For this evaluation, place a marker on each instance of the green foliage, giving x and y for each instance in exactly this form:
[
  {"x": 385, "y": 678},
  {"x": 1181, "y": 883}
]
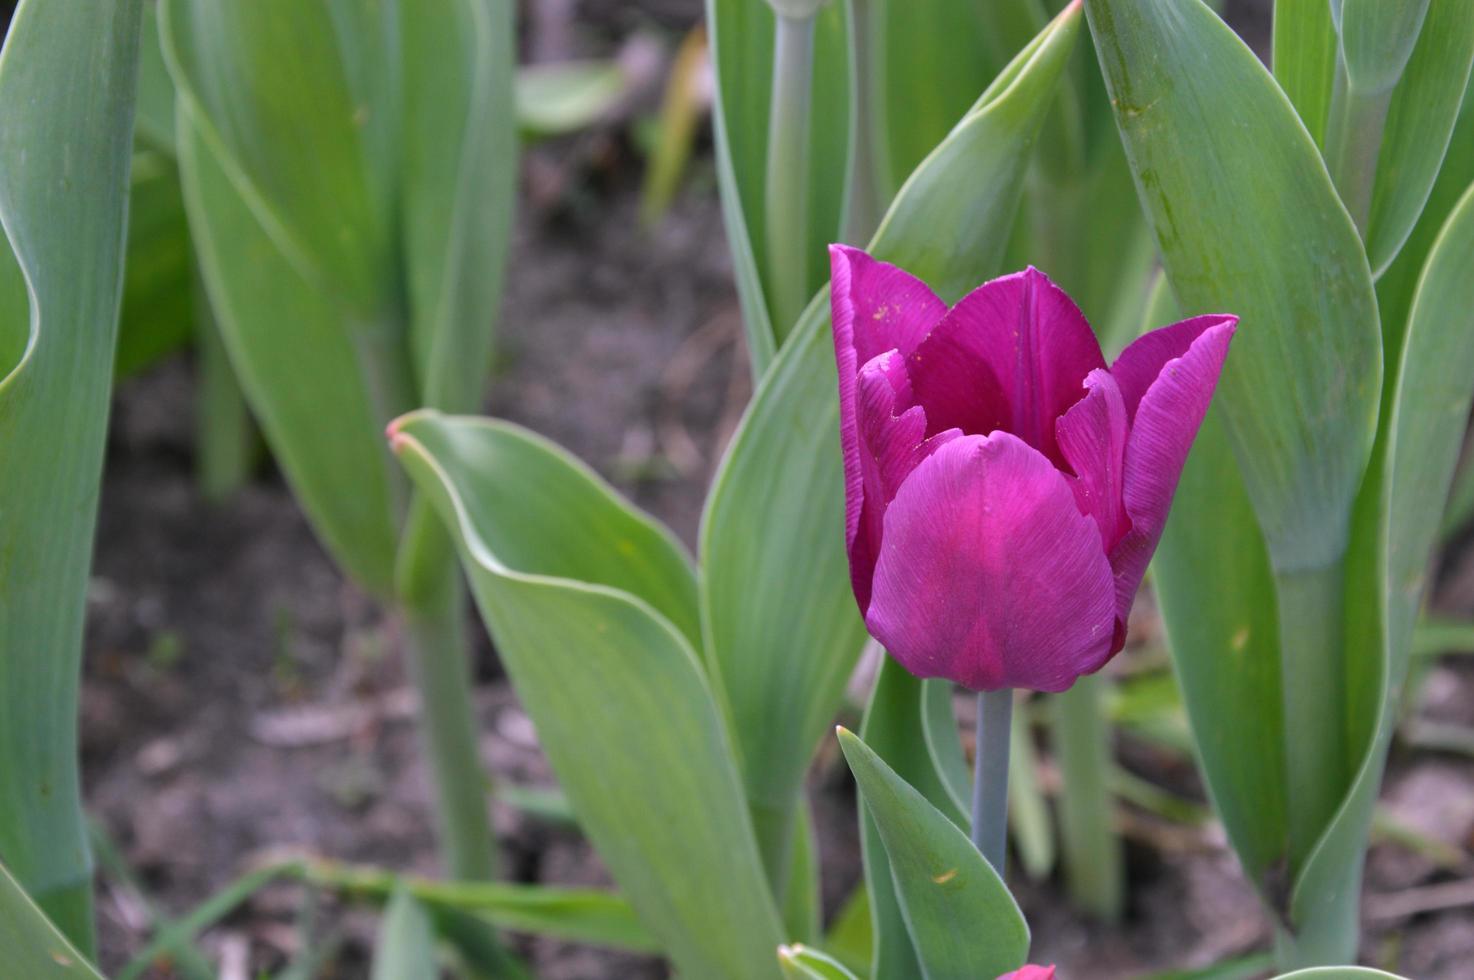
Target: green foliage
[
  {"x": 804, "y": 963},
  {"x": 30, "y": 945},
  {"x": 67, "y": 76},
  {"x": 593, "y": 609},
  {"x": 406, "y": 946},
  {"x": 962, "y": 920}
]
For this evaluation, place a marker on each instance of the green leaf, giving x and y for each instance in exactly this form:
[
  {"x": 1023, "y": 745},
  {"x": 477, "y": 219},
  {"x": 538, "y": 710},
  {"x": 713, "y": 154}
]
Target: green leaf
[
  {"x": 348, "y": 174},
  {"x": 1377, "y": 40},
  {"x": 1304, "y": 59},
  {"x": 802, "y": 904},
  {"x": 30, "y": 946},
  {"x": 782, "y": 631},
  {"x": 851, "y": 936},
  {"x": 67, "y": 76},
  {"x": 157, "y": 317},
  {"x": 960, "y": 916},
  {"x": 406, "y": 946},
  {"x": 567, "y": 96},
  {"x": 1338, "y": 973},
  {"x": 1224, "y": 634},
  {"x": 899, "y": 704},
  {"x": 1420, "y": 123},
  {"x": 592, "y": 607},
  {"x": 742, "y": 53},
  {"x": 1395, "y": 531},
  {"x": 805, "y": 963},
  {"x": 1248, "y": 222}
]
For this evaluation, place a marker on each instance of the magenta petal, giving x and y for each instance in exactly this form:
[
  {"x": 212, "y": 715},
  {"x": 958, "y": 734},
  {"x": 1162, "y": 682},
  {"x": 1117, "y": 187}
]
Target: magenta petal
[
  {"x": 1011, "y": 355},
  {"x": 892, "y": 442},
  {"x": 989, "y": 574},
  {"x": 1166, "y": 421},
  {"x": 878, "y": 306},
  {"x": 1142, "y": 360},
  {"x": 1092, "y": 439},
  {"x": 870, "y": 301}
]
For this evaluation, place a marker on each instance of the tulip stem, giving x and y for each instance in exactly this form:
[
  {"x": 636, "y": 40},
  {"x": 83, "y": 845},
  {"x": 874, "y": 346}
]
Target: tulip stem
[
  {"x": 786, "y": 212},
  {"x": 990, "y": 776},
  {"x": 866, "y": 186},
  {"x": 433, "y": 601}
]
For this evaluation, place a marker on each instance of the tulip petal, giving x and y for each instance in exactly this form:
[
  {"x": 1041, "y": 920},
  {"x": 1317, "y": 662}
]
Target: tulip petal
[
  {"x": 1092, "y": 439},
  {"x": 892, "y": 442},
  {"x": 1166, "y": 420},
  {"x": 879, "y": 306},
  {"x": 874, "y": 307},
  {"x": 1012, "y": 355},
  {"x": 1030, "y": 972},
  {"x": 1141, "y": 362},
  {"x": 989, "y": 575}
]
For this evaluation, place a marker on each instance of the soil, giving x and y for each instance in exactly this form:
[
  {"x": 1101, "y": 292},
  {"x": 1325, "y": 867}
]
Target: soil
[{"x": 241, "y": 699}]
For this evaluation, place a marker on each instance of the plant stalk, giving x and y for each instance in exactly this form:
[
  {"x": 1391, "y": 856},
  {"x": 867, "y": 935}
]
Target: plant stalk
[
  {"x": 990, "y": 776},
  {"x": 1314, "y": 693},
  {"x": 1354, "y": 142},
  {"x": 786, "y": 205},
  {"x": 867, "y": 183},
  {"x": 225, "y": 438},
  {"x": 433, "y": 605},
  {"x": 1082, "y": 743}
]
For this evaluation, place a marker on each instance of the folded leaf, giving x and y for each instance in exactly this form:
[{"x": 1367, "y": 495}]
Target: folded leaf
[
  {"x": 962, "y": 921},
  {"x": 592, "y": 608},
  {"x": 1248, "y": 222},
  {"x": 805, "y": 963}
]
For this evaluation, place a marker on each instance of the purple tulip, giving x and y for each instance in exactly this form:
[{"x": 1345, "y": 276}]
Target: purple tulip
[{"x": 1004, "y": 489}]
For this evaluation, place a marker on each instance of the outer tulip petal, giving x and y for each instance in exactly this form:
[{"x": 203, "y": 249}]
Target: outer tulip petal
[
  {"x": 870, "y": 301},
  {"x": 989, "y": 574},
  {"x": 879, "y": 306},
  {"x": 892, "y": 442},
  {"x": 1011, "y": 355},
  {"x": 1141, "y": 362},
  {"x": 1092, "y": 439},
  {"x": 1166, "y": 421}
]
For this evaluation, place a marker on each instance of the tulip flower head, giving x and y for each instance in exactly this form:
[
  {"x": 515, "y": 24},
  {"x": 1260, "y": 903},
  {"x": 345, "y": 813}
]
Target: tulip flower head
[{"x": 1004, "y": 489}]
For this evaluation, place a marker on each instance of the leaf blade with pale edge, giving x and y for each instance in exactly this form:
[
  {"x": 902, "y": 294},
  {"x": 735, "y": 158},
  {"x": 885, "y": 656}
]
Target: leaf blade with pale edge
[
  {"x": 961, "y": 918},
  {"x": 1248, "y": 222},
  {"x": 1420, "y": 123},
  {"x": 576, "y": 610},
  {"x": 1396, "y": 526},
  {"x": 782, "y": 631},
  {"x": 805, "y": 963},
  {"x": 67, "y": 79},
  {"x": 30, "y": 946},
  {"x": 1224, "y": 634},
  {"x": 406, "y": 946}
]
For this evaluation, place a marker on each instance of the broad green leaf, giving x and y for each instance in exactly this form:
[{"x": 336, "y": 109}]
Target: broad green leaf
[
  {"x": 742, "y": 34},
  {"x": 406, "y": 946},
  {"x": 67, "y": 77},
  {"x": 962, "y": 920},
  {"x": 802, "y": 904},
  {"x": 1304, "y": 59},
  {"x": 348, "y": 173},
  {"x": 154, "y": 125},
  {"x": 1377, "y": 39},
  {"x": 592, "y": 608},
  {"x": 567, "y": 96},
  {"x": 1397, "y": 525},
  {"x": 782, "y": 631},
  {"x": 805, "y": 963},
  {"x": 30, "y": 946},
  {"x": 1224, "y": 634},
  {"x": 851, "y": 936},
  {"x": 1248, "y": 222}
]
